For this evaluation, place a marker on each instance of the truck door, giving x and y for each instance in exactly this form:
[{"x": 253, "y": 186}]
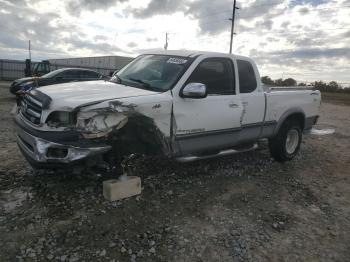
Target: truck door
[
  {"x": 253, "y": 100},
  {"x": 213, "y": 122}
]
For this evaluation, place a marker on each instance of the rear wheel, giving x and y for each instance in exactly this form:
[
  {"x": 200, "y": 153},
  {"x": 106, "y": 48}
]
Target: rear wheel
[{"x": 286, "y": 144}]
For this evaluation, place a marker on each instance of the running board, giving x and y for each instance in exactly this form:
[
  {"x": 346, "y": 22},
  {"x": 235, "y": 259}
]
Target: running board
[{"x": 227, "y": 152}]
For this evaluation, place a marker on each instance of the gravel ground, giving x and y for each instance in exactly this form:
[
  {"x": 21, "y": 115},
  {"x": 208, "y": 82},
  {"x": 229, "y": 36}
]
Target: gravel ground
[{"x": 239, "y": 208}]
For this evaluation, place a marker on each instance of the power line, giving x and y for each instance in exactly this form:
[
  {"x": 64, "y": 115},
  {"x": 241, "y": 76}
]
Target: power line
[
  {"x": 252, "y": 16},
  {"x": 299, "y": 31},
  {"x": 272, "y": 33},
  {"x": 238, "y": 17},
  {"x": 295, "y": 11},
  {"x": 216, "y": 21},
  {"x": 220, "y": 21},
  {"x": 273, "y": 4},
  {"x": 213, "y": 14},
  {"x": 222, "y": 12},
  {"x": 270, "y": 4},
  {"x": 269, "y": 32}
]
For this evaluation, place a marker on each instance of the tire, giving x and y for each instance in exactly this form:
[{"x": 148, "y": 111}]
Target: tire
[{"x": 281, "y": 149}]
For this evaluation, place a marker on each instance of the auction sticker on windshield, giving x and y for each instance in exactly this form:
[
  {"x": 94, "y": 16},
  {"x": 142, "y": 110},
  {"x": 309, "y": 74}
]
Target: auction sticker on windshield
[{"x": 178, "y": 61}]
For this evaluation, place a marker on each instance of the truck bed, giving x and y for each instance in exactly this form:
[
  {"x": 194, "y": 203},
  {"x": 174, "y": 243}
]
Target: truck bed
[{"x": 281, "y": 101}]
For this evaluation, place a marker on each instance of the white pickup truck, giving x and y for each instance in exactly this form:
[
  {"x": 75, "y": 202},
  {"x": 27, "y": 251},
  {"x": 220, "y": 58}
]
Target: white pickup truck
[{"x": 183, "y": 104}]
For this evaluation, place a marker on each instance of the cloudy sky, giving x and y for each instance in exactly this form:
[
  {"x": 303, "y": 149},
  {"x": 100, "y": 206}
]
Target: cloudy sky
[{"x": 304, "y": 39}]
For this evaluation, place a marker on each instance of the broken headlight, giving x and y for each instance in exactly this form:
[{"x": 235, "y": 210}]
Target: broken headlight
[
  {"x": 60, "y": 119},
  {"x": 99, "y": 123}
]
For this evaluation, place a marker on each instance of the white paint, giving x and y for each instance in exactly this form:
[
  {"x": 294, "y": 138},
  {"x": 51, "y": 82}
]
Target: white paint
[
  {"x": 209, "y": 114},
  {"x": 279, "y": 102},
  {"x": 252, "y": 102},
  {"x": 71, "y": 95}
]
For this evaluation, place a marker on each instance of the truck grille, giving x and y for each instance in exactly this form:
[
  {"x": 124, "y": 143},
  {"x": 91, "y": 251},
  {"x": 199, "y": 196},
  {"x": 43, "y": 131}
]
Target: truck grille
[{"x": 31, "y": 109}]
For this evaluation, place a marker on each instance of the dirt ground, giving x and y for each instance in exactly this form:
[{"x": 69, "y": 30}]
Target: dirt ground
[{"x": 239, "y": 208}]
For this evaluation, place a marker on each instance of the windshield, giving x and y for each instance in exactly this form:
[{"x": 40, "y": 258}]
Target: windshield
[{"x": 153, "y": 72}]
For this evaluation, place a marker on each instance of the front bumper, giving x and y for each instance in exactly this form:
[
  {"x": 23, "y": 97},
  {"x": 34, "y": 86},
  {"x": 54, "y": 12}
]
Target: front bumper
[{"x": 43, "y": 153}]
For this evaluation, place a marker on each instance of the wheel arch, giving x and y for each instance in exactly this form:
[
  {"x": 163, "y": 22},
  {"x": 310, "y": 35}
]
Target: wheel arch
[
  {"x": 297, "y": 114},
  {"x": 140, "y": 136}
]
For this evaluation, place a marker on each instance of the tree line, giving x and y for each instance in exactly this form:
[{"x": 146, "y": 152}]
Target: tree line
[{"x": 331, "y": 86}]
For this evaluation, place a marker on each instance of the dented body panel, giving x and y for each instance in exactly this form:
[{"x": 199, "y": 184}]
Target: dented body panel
[
  {"x": 70, "y": 96},
  {"x": 156, "y": 106},
  {"x": 101, "y": 120}
]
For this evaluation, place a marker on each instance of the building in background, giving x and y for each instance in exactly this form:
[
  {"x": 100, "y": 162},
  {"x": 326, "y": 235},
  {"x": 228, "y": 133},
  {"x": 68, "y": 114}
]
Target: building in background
[{"x": 14, "y": 69}]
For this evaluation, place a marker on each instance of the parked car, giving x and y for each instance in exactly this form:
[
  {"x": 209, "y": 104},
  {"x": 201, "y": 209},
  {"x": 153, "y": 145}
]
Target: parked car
[
  {"x": 182, "y": 104},
  {"x": 105, "y": 64},
  {"x": 55, "y": 77}
]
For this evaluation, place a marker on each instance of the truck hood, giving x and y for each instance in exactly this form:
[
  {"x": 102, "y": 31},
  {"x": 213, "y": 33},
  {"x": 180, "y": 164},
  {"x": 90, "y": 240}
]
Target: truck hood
[{"x": 72, "y": 95}]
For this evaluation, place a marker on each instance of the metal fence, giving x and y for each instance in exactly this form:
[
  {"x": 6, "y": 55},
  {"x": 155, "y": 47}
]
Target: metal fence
[{"x": 11, "y": 69}]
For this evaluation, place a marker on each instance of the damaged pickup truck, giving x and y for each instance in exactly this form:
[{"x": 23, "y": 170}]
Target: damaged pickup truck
[{"x": 182, "y": 104}]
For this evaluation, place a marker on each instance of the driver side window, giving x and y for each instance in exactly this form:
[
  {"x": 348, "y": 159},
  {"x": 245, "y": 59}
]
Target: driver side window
[{"x": 217, "y": 74}]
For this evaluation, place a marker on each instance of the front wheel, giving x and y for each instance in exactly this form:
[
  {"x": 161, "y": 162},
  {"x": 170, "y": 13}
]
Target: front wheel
[{"x": 286, "y": 144}]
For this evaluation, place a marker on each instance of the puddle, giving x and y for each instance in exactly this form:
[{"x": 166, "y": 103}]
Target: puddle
[
  {"x": 322, "y": 132},
  {"x": 11, "y": 199}
]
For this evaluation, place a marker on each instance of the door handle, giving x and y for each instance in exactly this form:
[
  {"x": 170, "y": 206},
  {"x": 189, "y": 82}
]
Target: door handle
[
  {"x": 233, "y": 105},
  {"x": 314, "y": 94}
]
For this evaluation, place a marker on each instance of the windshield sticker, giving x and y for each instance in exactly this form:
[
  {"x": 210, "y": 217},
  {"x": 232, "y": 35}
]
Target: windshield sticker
[{"x": 177, "y": 61}]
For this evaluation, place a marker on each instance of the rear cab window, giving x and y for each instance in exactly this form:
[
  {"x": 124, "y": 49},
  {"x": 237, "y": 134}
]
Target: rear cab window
[{"x": 247, "y": 77}]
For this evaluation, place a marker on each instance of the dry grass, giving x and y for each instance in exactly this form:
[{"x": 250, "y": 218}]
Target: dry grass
[{"x": 336, "y": 98}]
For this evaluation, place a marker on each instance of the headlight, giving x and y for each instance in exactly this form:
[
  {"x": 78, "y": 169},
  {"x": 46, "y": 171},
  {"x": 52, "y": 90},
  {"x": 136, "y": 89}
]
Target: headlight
[
  {"x": 100, "y": 123},
  {"x": 27, "y": 86},
  {"x": 60, "y": 119}
]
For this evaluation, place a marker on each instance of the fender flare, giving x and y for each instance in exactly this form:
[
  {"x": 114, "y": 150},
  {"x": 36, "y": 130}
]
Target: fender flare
[{"x": 287, "y": 114}]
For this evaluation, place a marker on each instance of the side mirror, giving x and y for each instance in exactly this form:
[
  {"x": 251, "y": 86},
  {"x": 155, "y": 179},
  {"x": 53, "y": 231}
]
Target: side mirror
[{"x": 194, "y": 90}]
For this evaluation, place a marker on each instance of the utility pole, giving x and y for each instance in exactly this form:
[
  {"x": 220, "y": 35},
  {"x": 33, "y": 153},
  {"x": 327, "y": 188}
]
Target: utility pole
[
  {"x": 166, "y": 41},
  {"x": 30, "y": 53},
  {"x": 233, "y": 23},
  {"x": 28, "y": 68}
]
